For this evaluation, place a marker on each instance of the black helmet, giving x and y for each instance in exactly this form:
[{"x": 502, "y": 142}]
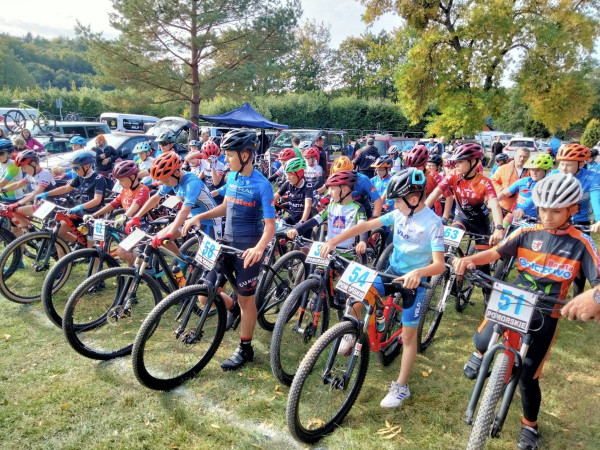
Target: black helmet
[
  {"x": 406, "y": 181},
  {"x": 435, "y": 159},
  {"x": 501, "y": 157},
  {"x": 168, "y": 137},
  {"x": 594, "y": 153},
  {"x": 240, "y": 140}
]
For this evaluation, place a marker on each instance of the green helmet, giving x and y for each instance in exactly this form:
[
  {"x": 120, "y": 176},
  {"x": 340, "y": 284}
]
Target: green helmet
[
  {"x": 294, "y": 165},
  {"x": 542, "y": 161}
]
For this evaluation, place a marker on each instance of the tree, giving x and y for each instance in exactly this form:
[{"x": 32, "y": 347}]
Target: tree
[
  {"x": 12, "y": 72},
  {"x": 466, "y": 47},
  {"x": 591, "y": 135},
  {"x": 191, "y": 50}
]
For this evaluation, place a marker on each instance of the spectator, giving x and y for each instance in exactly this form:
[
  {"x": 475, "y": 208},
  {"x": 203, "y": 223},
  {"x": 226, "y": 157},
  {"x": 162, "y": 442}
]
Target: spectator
[
  {"x": 204, "y": 135},
  {"x": 368, "y": 155},
  {"x": 442, "y": 144},
  {"x": 350, "y": 148},
  {"x": 497, "y": 147},
  {"x": 105, "y": 156},
  {"x": 507, "y": 174},
  {"x": 30, "y": 142},
  {"x": 433, "y": 147},
  {"x": 320, "y": 143},
  {"x": 585, "y": 306}
]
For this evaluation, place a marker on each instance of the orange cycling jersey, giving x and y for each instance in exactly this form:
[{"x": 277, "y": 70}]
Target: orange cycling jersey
[
  {"x": 128, "y": 197},
  {"x": 470, "y": 195}
]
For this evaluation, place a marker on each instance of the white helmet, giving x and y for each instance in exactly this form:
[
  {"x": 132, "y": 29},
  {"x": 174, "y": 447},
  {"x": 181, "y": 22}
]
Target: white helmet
[
  {"x": 557, "y": 191},
  {"x": 392, "y": 150}
]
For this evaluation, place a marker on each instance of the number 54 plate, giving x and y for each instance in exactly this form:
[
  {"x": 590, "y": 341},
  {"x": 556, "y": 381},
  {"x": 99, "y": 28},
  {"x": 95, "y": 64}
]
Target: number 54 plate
[
  {"x": 356, "y": 280},
  {"x": 511, "y": 307}
]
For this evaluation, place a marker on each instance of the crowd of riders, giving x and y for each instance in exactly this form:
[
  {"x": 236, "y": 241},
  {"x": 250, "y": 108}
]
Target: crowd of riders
[{"x": 411, "y": 194}]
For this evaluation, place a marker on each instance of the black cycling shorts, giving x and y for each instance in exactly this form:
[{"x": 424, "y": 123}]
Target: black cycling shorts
[
  {"x": 246, "y": 278},
  {"x": 479, "y": 224}
]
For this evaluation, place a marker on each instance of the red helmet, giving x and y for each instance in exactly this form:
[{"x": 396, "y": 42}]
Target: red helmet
[
  {"x": 312, "y": 152},
  {"x": 416, "y": 156},
  {"x": 25, "y": 158},
  {"x": 125, "y": 169},
  {"x": 287, "y": 154},
  {"x": 345, "y": 177},
  {"x": 165, "y": 165},
  {"x": 467, "y": 152},
  {"x": 209, "y": 148}
]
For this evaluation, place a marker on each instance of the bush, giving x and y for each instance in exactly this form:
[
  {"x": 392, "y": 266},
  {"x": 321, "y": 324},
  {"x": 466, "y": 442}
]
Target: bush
[{"x": 591, "y": 135}]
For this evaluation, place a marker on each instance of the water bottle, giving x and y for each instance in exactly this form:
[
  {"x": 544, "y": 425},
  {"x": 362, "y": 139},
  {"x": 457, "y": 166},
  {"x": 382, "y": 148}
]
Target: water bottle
[
  {"x": 178, "y": 274},
  {"x": 379, "y": 320}
]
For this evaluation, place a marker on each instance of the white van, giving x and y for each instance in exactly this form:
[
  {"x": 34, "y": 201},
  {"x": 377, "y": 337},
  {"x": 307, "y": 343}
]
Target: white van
[{"x": 127, "y": 123}]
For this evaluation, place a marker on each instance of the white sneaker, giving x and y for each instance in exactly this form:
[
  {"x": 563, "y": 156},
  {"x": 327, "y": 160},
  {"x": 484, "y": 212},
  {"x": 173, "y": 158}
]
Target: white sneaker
[
  {"x": 396, "y": 395},
  {"x": 347, "y": 344}
]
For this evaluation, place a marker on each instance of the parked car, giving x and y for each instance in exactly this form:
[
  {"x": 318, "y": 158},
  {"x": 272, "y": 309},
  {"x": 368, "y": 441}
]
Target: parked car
[
  {"x": 123, "y": 142},
  {"x": 335, "y": 141},
  {"x": 517, "y": 142},
  {"x": 127, "y": 123},
  {"x": 87, "y": 130},
  {"x": 57, "y": 152},
  {"x": 384, "y": 141},
  {"x": 178, "y": 125}
]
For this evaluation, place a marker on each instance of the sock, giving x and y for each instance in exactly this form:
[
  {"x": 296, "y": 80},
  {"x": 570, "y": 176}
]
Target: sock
[{"x": 245, "y": 343}]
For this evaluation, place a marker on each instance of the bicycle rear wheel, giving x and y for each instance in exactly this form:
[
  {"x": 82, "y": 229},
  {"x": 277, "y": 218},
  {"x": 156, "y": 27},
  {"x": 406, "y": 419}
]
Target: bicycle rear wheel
[
  {"x": 15, "y": 120},
  {"x": 104, "y": 313},
  {"x": 166, "y": 352},
  {"x": 320, "y": 399},
  {"x": 432, "y": 312},
  {"x": 292, "y": 339},
  {"x": 46, "y": 122}
]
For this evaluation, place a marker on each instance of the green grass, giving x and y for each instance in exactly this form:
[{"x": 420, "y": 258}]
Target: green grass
[{"x": 50, "y": 397}]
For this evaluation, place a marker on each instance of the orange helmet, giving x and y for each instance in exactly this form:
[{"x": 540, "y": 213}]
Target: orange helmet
[
  {"x": 312, "y": 152},
  {"x": 165, "y": 165},
  {"x": 573, "y": 152},
  {"x": 340, "y": 164}
]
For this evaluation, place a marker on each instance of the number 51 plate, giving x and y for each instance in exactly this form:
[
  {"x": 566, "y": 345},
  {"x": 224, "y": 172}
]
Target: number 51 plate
[
  {"x": 208, "y": 253},
  {"x": 511, "y": 307},
  {"x": 356, "y": 280}
]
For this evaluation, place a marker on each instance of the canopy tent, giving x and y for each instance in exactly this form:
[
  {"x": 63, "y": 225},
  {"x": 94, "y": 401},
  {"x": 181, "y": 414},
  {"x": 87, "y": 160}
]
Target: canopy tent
[{"x": 244, "y": 116}]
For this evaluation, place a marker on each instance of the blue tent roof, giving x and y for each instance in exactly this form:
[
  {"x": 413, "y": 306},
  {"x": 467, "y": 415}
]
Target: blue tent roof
[{"x": 245, "y": 116}]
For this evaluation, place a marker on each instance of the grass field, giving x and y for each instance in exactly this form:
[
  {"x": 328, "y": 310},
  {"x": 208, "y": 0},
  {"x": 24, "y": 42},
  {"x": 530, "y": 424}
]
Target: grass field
[{"x": 50, "y": 397}]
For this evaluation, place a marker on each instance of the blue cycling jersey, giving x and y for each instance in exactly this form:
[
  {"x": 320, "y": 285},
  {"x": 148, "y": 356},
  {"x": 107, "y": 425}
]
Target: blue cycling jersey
[
  {"x": 381, "y": 187},
  {"x": 415, "y": 238},
  {"x": 593, "y": 166},
  {"x": 249, "y": 201},
  {"x": 524, "y": 187},
  {"x": 365, "y": 192},
  {"x": 193, "y": 192}
]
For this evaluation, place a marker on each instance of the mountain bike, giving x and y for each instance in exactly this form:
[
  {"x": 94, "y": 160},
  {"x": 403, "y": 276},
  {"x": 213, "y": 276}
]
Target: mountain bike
[
  {"x": 505, "y": 265},
  {"x": 512, "y": 310},
  {"x": 16, "y": 119},
  {"x": 182, "y": 333},
  {"x": 327, "y": 384}
]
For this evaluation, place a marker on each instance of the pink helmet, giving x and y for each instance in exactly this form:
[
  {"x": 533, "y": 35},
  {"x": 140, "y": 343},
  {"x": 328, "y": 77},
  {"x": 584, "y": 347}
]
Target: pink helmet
[
  {"x": 125, "y": 169},
  {"x": 416, "y": 156},
  {"x": 467, "y": 152},
  {"x": 209, "y": 148}
]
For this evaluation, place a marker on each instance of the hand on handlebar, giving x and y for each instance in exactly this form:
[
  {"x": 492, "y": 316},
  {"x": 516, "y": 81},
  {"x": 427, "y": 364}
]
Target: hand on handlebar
[
  {"x": 292, "y": 233},
  {"x": 133, "y": 222},
  {"x": 462, "y": 264},
  {"x": 595, "y": 228},
  {"x": 361, "y": 248},
  {"x": 76, "y": 209},
  {"x": 326, "y": 249},
  {"x": 159, "y": 240},
  {"x": 88, "y": 218},
  {"x": 517, "y": 214},
  {"x": 42, "y": 196},
  {"x": 496, "y": 237},
  {"x": 411, "y": 280},
  {"x": 13, "y": 206}
]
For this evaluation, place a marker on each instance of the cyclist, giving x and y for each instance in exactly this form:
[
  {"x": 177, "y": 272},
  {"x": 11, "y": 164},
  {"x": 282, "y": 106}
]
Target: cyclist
[
  {"x": 418, "y": 240},
  {"x": 133, "y": 196},
  {"x": 592, "y": 164},
  {"x": 501, "y": 159},
  {"x": 248, "y": 202},
  {"x": 507, "y": 174},
  {"x": 90, "y": 186},
  {"x": 382, "y": 166},
  {"x": 397, "y": 163},
  {"x": 549, "y": 256},
  {"x": 299, "y": 195},
  {"x": 144, "y": 161},
  {"x": 313, "y": 174},
  {"x": 105, "y": 156},
  {"x": 212, "y": 172},
  {"x": 77, "y": 143},
  {"x": 37, "y": 178},
  {"x": 166, "y": 142},
  {"x": 434, "y": 164},
  {"x": 9, "y": 172},
  {"x": 285, "y": 155}
]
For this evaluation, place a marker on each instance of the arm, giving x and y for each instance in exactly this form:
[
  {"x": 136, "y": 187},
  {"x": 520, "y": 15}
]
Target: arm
[
  {"x": 448, "y": 207},
  {"x": 104, "y": 210},
  {"x": 179, "y": 220},
  {"x": 93, "y": 202},
  {"x": 504, "y": 193},
  {"x": 16, "y": 185},
  {"x": 497, "y": 235},
  {"x": 216, "y": 176},
  {"x": 361, "y": 228},
  {"x": 60, "y": 190},
  {"x": 307, "y": 207},
  {"x": 29, "y": 197},
  {"x": 377, "y": 207},
  {"x": 469, "y": 262},
  {"x": 151, "y": 203},
  {"x": 433, "y": 197},
  {"x": 413, "y": 278}
]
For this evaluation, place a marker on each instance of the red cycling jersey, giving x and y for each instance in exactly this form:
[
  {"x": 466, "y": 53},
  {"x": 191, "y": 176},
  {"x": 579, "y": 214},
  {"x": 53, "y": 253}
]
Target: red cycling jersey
[
  {"x": 470, "y": 195},
  {"x": 128, "y": 197}
]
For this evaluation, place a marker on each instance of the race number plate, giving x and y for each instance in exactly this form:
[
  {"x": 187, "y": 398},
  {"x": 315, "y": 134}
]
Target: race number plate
[
  {"x": 130, "y": 241},
  {"x": 453, "y": 236},
  {"x": 208, "y": 253},
  {"x": 356, "y": 280},
  {"x": 511, "y": 307},
  {"x": 98, "y": 230},
  {"x": 45, "y": 209},
  {"x": 314, "y": 256},
  {"x": 171, "y": 201}
]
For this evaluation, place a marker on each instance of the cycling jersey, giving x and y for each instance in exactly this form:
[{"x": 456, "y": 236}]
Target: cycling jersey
[
  {"x": 314, "y": 176},
  {"x": 9, "y": 171},
  {"x": 249, "y": 201},
  {"x": 128, "y": 197},
  {"x": 415, "y": 238},
  {"x": 339, "y": 218},
  {"x": 207, "y": 171},
  {"x": 364, "y": 193},
  {"x": 470, "y": 195},
  {"x": 43, "y": 178},
  {"x": 296, "y": 199},
  {"x": 524, "y": 187},
  {"x": 145, "y": 166},
  {"x": 88, "y": 187},
  {"x": 381, "y": 184},
  {"x": 193, "y": 192},
  {"x": 397, "y": 164}
]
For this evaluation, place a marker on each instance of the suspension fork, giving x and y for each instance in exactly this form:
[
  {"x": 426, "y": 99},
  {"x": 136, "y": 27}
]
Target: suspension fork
[{"x": 47, "y": 245}]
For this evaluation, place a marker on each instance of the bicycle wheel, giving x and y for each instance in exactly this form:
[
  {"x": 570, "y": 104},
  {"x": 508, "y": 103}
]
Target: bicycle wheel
[
  {"x": 432, "y": 312},
  {"x": 15, "y": 120},
  {"x": 167, "y": 352},
  {"x": 23, "y": 267},
  {"x": 462, "y": 295},
  {"x": 287, "y": 272},
  {"x": 376, "y": 241},
  {"x": 320, "y": 399},
  {"x": 487, "y": 409},
  {"x": 393, "y": 324},
  {"x": 6, "y": 237},
  {"x": 46, "y": 121},
  {"x": 291, "y": 339},
  {"x": 383, "y": 263},
  {"x": 68, "y": 273},
  {"x": 104, "y": 313}
]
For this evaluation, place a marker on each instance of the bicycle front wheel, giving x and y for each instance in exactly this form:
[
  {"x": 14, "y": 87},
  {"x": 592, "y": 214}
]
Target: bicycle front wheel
[
  {"x": 46, "y": 122},
  {"x": 293, "y": 337},
  {"x": 178, "y": 338},
  {"x": 487, "y": 409},
  {"x": 25, "y": 262},
  {"x": 104, "y": 313},
  {"x": 324, "y": 389},
  {"x": 432, "y": 312},
  {"x": 15, "y": 121}
]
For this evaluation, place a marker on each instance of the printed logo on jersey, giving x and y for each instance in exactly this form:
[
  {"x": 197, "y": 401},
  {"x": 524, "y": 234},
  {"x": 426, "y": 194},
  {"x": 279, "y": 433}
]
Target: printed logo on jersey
[
  {"x": 536, "y": 245},
  {"x": 339, "y": 222},
  {"x": 551, "y": 266}
]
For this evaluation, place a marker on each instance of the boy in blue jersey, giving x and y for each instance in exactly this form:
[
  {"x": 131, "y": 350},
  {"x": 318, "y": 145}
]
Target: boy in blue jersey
[
  {"x": 248, "y": 201},
  {"x": 382, "y": 166},
  {"x": 418, "y": 239}
]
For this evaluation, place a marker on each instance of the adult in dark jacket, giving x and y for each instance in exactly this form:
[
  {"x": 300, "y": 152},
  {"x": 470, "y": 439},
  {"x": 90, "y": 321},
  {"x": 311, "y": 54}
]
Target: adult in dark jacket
[
  {"x": 367, "y": 156},
  {"x": 497, "y": 146},
  {"x": 319, "y": 143},
  {"x": 105, "y": 156}
]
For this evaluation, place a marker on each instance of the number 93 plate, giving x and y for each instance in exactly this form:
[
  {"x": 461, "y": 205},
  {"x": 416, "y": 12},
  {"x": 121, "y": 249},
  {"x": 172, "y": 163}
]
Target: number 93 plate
[{"x": 511, "y": 307}]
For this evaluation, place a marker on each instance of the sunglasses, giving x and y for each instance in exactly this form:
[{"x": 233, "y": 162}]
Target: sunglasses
[
  {"x": 76, "y": 167},
  {"x": 162, "y": 144}
]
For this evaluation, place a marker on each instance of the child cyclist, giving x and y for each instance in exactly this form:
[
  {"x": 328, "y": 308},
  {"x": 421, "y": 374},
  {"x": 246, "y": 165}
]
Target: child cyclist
[
  {"x": 144, "y": 161},
  {"x": 314, "y": 172},
  {"x": 382, "y": 166},
  {"x": 549, "y": 257},
  {"x": 397, "y": 162},
  {"x": 131, "y": 198},
  {"x": 418, "y": 254},
  {"x": 300, "y": 196},
  {"x": 501, "y": 160},
  {"x": 213, "y": 170},
  {"x": 284, "y": 156},
  {"x": 248, "y": 202}
]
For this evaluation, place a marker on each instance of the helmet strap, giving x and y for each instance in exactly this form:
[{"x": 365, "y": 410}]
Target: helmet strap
[
  {"x": 342, "y": 198},
  {"x": 85, "y": 171},
  {"x": 413, "y": 208},
  {"x": 135, "y": 182},
  {"x": 242, "y": 162}
]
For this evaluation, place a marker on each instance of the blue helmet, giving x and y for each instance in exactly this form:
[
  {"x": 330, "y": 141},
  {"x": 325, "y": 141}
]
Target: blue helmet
[
  {"x": 83, "y": 157},
  {"x": 142, "y": 147},
  {"x": 78, "y": 140},
  {"x": 6, "y": 145},
  {"x": 195, "y": 144}
]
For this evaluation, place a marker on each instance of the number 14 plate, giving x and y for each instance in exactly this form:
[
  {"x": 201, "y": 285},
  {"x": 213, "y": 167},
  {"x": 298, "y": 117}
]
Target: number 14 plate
[{"x": 356, "y": 280}]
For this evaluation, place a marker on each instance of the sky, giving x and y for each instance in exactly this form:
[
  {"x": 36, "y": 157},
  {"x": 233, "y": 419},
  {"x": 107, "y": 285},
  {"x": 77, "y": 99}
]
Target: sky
[{"x": 58, "y": 18}]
